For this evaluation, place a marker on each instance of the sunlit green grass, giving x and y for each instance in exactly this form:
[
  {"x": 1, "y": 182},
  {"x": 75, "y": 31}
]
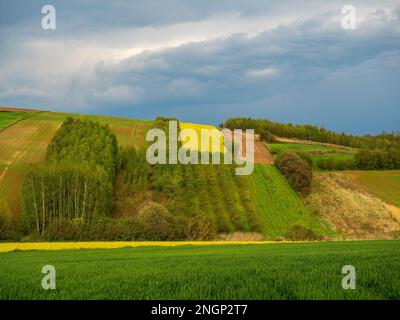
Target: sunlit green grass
[
  {"x": 278, "y": 206},
  {"x": 315, "y": 152},
  {"x": 9, "y": 117},
  {"x": 272, "y": 271}
]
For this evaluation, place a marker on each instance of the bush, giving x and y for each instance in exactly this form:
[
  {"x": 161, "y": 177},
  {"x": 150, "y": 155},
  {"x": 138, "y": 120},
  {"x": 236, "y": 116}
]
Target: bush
[
  {"x": 103, "y": 229},
  {"x": 300, "y": 233},
  {"x": 378, "y": 159},
  {"x": 267, "y": 137},
  {"x": 306, "y": 157},
  {"x": 198, "y": 228},
  {"x": 11, "y": 229},
  {"x": 65, "y": 230},
  {"x": 156, "y": 223},
  {"x": 335, "y": 164},
  {"x": 296, "y": 171}
]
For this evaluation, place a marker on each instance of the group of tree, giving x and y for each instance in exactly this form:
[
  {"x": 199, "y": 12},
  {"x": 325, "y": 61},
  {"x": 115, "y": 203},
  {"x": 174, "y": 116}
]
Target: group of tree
[
  {"x": 70, "y": 195},
  {"x": 388, "y": 159},
  {"x": 77, "y": 178},
  {"x": 211, "y": 193}
]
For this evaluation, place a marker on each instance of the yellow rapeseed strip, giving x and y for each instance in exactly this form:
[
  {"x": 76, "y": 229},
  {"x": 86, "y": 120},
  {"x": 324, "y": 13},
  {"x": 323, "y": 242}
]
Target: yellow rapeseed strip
[
  {"x": 6, "y": 247},
  {"x": 215, "y": 135}
]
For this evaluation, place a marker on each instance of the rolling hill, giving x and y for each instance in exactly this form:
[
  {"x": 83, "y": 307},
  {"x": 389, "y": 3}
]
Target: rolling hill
[{"x": 262, "y": 204}]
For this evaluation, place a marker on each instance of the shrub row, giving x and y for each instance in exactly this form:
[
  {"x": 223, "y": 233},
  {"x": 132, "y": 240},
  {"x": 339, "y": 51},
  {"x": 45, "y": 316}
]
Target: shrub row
[{"x": 154, "y": 223}]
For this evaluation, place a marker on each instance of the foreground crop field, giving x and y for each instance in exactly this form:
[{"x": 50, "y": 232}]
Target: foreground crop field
[{"x": 265, "y": 271}]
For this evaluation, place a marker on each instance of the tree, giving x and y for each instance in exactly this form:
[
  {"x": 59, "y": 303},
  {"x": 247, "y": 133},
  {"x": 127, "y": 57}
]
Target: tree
[{"x": 156, "y": 223}]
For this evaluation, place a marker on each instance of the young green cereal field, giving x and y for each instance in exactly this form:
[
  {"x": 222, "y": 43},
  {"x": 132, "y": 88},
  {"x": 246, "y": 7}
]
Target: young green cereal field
[{"x": 260, "y": 271}]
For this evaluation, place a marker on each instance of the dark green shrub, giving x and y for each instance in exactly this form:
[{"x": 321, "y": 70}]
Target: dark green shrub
[
  {"x": 335, "y": 164},
  {"x": 296, "y": 171},
  {"x": 306, "y": 157},
  {"x": 267, "y": 137},
  {"x": 11, "y": 229},
  {"x": 156, "y": 223},
  {"x": 65, "y": 230}
]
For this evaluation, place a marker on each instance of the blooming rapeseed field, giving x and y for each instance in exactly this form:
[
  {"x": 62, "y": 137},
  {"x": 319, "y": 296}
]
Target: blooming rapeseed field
[{"x": 6, "y": 247}]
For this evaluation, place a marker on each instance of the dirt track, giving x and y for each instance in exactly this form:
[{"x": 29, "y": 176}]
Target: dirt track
[{"x": 261, "y": 152}]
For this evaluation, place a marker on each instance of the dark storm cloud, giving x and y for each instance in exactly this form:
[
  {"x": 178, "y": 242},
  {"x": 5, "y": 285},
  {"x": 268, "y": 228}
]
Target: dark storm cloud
[{"x": 306, "y": 70}]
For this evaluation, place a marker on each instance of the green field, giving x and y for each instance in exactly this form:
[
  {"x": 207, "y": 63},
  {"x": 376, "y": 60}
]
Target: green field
[
  {"x": 278, "y": 206},
  {"x": 383, "y": 184},
  {"x": 279, "y": 147},
  {"x": 9, "y": 117},
  {"x": 271, "y": 271},
  {"x": 315, "y": 152}
]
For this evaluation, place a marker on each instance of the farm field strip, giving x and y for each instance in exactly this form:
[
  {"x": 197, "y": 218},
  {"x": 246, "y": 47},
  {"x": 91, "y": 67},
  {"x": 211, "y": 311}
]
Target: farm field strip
[
  {"x": 278, "y": 205},
  {"x": 314, "y": 143},
  {"x": 7, "y": 118},
  {"x": 262, "y": 154},
  {"x": 310, "y": 148},
  {"x": 27, "y": 246},
  {"x": 22, "y": 143},
  {"x": 198, "y": 127},
  {"x": 264, "y": 271}
]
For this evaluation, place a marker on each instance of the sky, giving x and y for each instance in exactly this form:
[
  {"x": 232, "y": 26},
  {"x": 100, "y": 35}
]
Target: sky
[{"x": 206, "y": 60}]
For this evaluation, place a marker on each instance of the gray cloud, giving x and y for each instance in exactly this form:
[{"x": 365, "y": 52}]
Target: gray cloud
[{"x": 184, "y": 60}]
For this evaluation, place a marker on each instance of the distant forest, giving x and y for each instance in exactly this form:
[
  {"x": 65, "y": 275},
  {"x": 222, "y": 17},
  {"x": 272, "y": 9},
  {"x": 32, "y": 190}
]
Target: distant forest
[
  {"x": 376, "y": 152},
  {"x": 314, "y": 133}
]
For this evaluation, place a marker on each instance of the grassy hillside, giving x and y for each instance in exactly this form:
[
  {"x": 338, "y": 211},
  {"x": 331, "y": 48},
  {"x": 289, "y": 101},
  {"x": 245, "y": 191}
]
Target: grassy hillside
[
  {"x": 262, "y": 202},
  {"x": 383, "y": 184},
  {"x": 352, "y": 212},
  {"x": 271, "y": 271},
  {"x": 278, "y": 206}
]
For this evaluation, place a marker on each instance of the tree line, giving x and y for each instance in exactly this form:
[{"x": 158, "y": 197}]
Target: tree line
[{"x": 313, "y": 133}]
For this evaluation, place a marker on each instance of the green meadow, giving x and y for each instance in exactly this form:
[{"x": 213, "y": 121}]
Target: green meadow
[{"x": 264, "y": 271}]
